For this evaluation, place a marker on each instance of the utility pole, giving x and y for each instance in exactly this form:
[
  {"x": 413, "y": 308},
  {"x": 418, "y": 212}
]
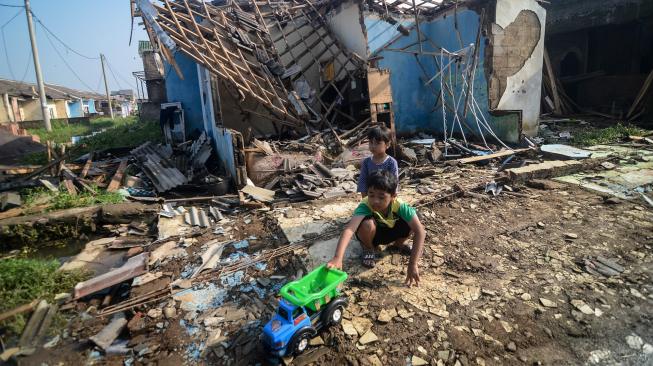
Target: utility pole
[
  {"x": 37, "y": 68},
  {"x": 106, "y": 86}
]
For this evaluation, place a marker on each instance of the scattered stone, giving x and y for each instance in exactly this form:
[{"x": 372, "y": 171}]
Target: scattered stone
[
  {"x": 362, "y": 325},
  {"x": 548, "y": 303},
  {"x": 348, "y": 328},
  {"x": 647, "y": 349},
  {"x": 480, "y": 361},
  {"x": 612, "y": 200},
  {"x": 170, "y": 312},
  {"x": 634, "y": 341},
  {"x": 506, "y": 326},
  {"x": 134, "y": 251},
  {"x": 212, "y": 321},
  {"x": 316, "y": 341},
  {"x": 511, "y": 346},
  {"x": 368, "y": 337},
  {"x": 571, "y": 236},
  {"x": 541, "y": 225},
  {"x": 155, "y": 313},
  {"x": 443, "y": 355},
  {"x": 421, "y": 350},
  {"x": 526, "y": 296},
  {"x": 582, "y": 307},
  {"x": 418, "y": 361},
  {"x": 53, "y": 342},
  {"x": 374, "y": 360},
  {"x": 404, "y": 314},
  {"x": 598, "y": 356},
  {"x": 384, "y": 316},
  {"x": 488, "y": 292},
  {"x": 477, "y": 332}
]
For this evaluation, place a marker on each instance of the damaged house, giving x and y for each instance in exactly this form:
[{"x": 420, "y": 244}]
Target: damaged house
[{"x": 465, "y": 70}]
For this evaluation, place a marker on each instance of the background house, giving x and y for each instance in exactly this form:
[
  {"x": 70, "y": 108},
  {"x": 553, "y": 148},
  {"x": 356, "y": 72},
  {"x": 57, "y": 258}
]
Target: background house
[{"x": 20, "y": 102}]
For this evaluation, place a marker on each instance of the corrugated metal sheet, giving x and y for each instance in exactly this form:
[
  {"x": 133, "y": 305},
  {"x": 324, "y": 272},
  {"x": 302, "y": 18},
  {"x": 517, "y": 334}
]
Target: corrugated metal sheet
[
  {"x": 197, "y": 217},
  {"x": 157, "y": 166}
]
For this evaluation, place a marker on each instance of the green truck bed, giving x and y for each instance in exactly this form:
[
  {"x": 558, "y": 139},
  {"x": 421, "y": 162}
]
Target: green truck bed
[{"x": 315, "y": 289}]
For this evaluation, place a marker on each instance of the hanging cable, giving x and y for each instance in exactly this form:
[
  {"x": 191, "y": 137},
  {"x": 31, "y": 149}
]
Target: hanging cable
[
  {"x": 114, "y": 75},
  {"x": 66, "y": 63},
  {"x": 12, "y": 6},
  {"x": 60, "y": 41},
  {"x": 4, "y": 43},
  {"x": 118, "y": 73}
]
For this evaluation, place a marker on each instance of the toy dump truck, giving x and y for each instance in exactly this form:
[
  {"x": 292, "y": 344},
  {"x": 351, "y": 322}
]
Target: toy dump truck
[{"x": 307, "y": 305}]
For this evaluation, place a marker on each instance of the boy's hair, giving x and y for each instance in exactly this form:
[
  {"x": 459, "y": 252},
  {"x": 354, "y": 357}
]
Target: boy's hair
[
  {"x": 383, "y": 180},
  {"x": 380, "y": 133}
]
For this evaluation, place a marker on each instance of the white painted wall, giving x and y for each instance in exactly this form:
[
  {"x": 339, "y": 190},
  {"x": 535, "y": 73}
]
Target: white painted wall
[
  {"x": 523, "y": 91},
  {"x": 345, "y": 24}
]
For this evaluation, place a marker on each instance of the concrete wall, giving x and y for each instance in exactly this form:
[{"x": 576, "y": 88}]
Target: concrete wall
[
  {"x": 75, "y": 108},
  {"x": 516, "y": 60},
  {"x": 187, "y": 92},
  {"x": 62, "y": 111},
  {"x": 30, "y": 109},
  {"x": 345, "y": 24},
  {"x": 4, "y": 111}
]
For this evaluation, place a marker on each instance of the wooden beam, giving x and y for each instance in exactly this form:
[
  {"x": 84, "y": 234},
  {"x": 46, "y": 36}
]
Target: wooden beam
[
  {"x": 117, "y": 178},
  {"x": 499, "y": 154}
]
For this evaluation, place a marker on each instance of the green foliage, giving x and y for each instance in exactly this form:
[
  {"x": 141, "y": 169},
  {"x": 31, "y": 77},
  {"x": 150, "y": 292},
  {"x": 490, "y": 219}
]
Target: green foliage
[
  {"x": 63, "y": 199},
  {"x": 23, "y": 280},
  {"x": 119, "y": 132},
  {"x": 606, "y": 135},
  {"x": 62, "y": 132}
]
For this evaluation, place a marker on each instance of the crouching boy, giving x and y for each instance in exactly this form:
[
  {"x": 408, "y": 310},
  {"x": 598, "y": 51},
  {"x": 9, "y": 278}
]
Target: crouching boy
[{"x": 381, "y": 218}]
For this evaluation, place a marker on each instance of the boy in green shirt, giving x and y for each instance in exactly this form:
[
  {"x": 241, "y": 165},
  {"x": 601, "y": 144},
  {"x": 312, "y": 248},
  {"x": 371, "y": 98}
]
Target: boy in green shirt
[{"x": 381, "y": 218}]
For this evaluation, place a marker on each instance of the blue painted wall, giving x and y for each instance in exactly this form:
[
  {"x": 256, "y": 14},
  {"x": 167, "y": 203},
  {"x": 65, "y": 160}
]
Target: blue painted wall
[
  {"x": 186, "y": 91},
  {"x": 90, "y": 103},
  {"x": 75, "y": 109},
  {"x": 414, "y": 103}
]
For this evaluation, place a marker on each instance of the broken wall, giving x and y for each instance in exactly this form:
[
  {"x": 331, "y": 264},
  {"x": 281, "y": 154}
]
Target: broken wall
[
  {"x": 187, "y": 92},
  {"x": 506, "y": 82},
  {"x": 345, "y": 24},
  {"x": 516, "y": 59}
]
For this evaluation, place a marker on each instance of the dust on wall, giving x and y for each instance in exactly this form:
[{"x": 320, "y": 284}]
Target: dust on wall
[{"x": 515, "y": 58}]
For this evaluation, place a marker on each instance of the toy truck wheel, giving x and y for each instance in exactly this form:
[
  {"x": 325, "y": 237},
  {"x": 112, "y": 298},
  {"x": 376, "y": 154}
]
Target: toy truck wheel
[
  {"x": 300, "y": 343},
  {"x": 334, "y": 316}
]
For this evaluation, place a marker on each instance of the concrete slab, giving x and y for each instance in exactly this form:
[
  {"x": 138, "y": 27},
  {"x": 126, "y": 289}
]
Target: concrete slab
[{"x": 322, "y": 251}]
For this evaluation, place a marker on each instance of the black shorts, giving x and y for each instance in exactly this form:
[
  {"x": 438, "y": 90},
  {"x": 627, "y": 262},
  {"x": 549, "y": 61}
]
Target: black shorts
[{"x": 385, "y": 235}]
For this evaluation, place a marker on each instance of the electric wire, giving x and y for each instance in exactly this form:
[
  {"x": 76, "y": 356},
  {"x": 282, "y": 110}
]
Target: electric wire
[
  {"x": 12, "y": 6},
  {"x": 4, "y": 44},
  {"x": 60, "y": 41},
  {"x": 66, "y": 63}
]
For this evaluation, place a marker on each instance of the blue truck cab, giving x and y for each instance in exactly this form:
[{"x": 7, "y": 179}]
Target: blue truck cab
[
  {"x": 306, "y": 306},
  {"x": 279, "y": 331}
]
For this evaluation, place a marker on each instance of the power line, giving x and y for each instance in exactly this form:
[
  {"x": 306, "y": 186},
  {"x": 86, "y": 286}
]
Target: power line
[
  {"x": 114, "y": 75},
  {"x": 12, "y": 6},
  {"x": 60, "y": 41},
  {"x": 66, "y": 63},
  {"x": 4, "y": 43},
  {"x": 119, "y": 74}
]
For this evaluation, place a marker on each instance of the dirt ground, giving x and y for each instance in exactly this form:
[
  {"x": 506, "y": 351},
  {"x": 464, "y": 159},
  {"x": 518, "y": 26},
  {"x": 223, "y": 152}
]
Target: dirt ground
[{"x": 489, "y": 267}]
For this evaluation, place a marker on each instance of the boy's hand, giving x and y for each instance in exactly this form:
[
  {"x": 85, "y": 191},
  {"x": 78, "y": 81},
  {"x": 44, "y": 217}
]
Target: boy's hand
[
  {"x": 335, "y": 262},
  {"x": 412, "y": 277}
]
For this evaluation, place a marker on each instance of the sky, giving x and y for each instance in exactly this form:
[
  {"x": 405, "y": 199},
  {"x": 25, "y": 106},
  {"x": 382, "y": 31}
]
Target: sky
[{"x": 89, "y": 27}]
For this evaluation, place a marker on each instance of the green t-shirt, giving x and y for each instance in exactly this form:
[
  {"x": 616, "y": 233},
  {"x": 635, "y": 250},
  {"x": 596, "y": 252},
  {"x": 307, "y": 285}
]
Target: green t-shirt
[{"x": 399, "y": 209}]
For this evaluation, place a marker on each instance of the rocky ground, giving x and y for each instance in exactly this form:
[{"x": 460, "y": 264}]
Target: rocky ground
[{"x": 503, "y": 281}]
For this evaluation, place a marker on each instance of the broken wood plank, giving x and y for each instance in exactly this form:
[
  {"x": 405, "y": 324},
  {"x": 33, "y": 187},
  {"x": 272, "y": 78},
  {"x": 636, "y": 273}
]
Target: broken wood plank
[
  {"x": 135, "y": 266},
  {"x": 70, "y": 187},
  {"x": 116, "y": 181},
  {"x": 33, "y": 325},
  {"x": 499, "y": 154},
  {"x": 19, "y": 310},
  {"x": 87, "y": 165},
  {"x": 554, "y": 90},
  {"x": 68, "y": 174}
]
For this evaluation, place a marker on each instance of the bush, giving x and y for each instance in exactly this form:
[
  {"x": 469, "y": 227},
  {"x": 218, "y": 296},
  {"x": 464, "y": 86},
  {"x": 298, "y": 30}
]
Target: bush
[{"x": 24, "y": 280}]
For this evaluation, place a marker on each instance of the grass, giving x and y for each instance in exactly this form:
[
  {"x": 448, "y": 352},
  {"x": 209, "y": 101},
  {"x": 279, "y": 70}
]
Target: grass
[
  {"x": 607, "y": 135},
  {"x": 23, "y": 280},
  {"x": 61, "y": 199},
  {"x": 120, "y": 132},
  {"x": 63, "y": 132}
]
